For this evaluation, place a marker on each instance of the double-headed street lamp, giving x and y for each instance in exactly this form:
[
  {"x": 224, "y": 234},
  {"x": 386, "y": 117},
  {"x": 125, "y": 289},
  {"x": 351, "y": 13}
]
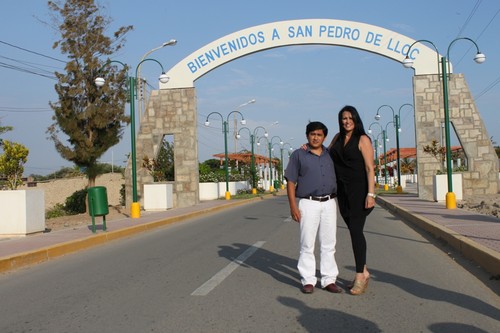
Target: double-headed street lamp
[
  {"x": 253, "y": 135},
  {"x": 398, "y": 129},
  {"x": 135, "y": 209},
  {"x": 451, "y": 200},
  {"x": 225, "y": 130},
  {"x": 269, "y": 147},
  {"x": 270, "y": 159},
  {"x": 384, "y": 138},
  {"x": 282, "y": 148},
  {"x": 377, "y": 161},
  {"x": 140, "y": 81}
]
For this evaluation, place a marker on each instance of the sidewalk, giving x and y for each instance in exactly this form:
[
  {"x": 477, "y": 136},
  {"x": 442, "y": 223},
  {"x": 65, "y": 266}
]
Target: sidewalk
[{"x": 476, "y": 236}]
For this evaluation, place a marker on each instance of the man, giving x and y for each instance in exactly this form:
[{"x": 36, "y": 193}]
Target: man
[{"x": 310, "y": 176}]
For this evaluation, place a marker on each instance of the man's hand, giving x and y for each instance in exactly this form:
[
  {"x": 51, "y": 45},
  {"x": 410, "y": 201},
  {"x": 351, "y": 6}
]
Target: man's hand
[{"x": 295, "y": 214}]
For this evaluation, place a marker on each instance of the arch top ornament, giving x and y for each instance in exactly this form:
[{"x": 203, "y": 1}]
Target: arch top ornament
[{"x": 351, "y": 34}]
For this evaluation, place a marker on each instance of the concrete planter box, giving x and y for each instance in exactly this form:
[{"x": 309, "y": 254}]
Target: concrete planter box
[
  {"x": 212, "y": 191},
  {"x": 158, "y": 196},
  {"x": 23, "y": 212},
  {"x": 209, "y": 191},
  {"x": 440, "y": 186}
]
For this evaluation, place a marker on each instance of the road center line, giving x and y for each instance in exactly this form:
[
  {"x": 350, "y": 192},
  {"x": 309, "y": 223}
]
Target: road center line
[{"x": 217, "y": 279}]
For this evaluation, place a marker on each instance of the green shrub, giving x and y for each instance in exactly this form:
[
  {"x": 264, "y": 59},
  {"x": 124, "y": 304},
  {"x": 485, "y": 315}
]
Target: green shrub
[
  {"x": 122, "y": 195},
  {"x": 56, "y": 211},
  {"x": 75, "y": 203}
]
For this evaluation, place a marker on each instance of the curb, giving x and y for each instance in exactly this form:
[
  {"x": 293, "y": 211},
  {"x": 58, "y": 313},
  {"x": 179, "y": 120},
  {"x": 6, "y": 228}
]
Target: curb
[
  {"x": 50, "y": 252},
  {"x": 483, "y": 256}
]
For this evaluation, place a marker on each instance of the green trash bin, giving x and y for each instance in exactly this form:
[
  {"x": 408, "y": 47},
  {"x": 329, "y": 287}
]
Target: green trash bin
[
  {"x": 98, "y": 204},
  {"x": 276, "y": 184}
]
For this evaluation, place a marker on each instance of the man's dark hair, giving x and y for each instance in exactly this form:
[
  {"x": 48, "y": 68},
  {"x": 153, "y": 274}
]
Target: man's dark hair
[{"x": 316, "y": 125}]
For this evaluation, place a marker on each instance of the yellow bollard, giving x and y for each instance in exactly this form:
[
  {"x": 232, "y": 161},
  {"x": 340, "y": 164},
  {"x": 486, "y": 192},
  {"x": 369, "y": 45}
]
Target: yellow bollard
[
  {"x": 135, "y": 210},
  {"x": 399, "y": 189},
  {"x": 254, "y": 191},
  {"x": 386, "y": 187},
  {"x": 451, "y": 200},
  {"x": 228, "y": 195}
]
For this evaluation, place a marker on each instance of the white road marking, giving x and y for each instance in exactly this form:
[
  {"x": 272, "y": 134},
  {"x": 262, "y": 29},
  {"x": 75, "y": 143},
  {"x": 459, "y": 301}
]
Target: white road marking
[{"x": 217, "y": 279}]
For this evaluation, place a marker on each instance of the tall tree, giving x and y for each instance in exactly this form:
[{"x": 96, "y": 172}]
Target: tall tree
[
  {"x": 91, "y": 118},
  {"x": 4, "y": 129}
]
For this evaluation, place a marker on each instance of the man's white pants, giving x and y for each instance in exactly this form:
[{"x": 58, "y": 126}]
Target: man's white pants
[{"x": 318, "y": 218}]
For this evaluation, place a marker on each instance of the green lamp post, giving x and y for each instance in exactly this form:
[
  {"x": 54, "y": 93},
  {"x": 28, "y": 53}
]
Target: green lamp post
[
  {"x": 451, "y": 200},
  {"x": 253, "y": 135},
  {"x": 135, "y": 209},
  {"x": 270, "y": 159},
  {"x": 384, "y": 138},
  {"x": 225, "y": 131},
  {"x": 398, "y": 129}
]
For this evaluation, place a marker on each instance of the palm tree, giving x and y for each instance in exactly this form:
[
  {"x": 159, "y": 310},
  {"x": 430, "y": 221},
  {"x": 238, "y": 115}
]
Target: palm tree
[{"x": 408, "y": 165}]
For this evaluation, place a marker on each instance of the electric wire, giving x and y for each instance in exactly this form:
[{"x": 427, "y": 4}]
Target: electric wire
[
  {"x": 467, "y": 21},
  {"x": 33, "y": 52}
]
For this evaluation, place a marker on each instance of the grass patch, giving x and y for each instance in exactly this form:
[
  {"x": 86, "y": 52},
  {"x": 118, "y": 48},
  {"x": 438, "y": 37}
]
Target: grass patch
[{"x": 380, "y": 191}]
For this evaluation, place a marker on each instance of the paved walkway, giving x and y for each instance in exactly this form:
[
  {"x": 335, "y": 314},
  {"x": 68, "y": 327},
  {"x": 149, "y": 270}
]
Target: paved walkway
[{"x": 476, "y": 236}]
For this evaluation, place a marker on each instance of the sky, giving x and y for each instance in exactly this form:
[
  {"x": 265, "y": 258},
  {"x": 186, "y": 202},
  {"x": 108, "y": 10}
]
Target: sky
[{"x": 291, "y": 85}]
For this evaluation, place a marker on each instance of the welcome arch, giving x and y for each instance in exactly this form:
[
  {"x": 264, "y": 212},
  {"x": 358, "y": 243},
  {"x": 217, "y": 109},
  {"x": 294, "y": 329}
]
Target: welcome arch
[{"x": 172, "y": 109}]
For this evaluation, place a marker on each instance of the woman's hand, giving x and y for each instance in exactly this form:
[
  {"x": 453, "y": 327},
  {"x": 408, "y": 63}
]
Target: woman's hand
[{"x": 369, "y": 202}]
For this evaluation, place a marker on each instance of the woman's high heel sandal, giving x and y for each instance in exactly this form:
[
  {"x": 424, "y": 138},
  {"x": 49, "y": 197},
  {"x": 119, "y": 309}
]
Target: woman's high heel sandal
[
  {"x": 351, "y": 284},
  {"x": 359, "y": 287}
]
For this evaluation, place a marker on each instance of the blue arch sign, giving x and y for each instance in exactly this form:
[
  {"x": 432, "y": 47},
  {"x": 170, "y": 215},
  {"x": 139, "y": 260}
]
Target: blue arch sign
[{"x": 356, "y": 35}]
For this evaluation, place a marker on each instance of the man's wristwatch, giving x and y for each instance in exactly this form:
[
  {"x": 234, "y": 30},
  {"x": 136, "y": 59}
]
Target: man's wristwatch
[{"x": 373, "y": 195}]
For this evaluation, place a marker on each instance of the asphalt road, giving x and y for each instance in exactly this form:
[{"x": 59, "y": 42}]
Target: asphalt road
[{"x": 235, "y": 271}]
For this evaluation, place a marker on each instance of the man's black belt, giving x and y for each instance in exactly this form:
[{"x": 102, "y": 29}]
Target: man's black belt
[{"x": 321, "y": 198}]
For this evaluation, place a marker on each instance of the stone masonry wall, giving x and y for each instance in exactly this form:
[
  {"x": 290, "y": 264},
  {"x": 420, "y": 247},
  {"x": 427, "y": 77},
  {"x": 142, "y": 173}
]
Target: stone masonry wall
[
  {"x": 465, "y": 120},
  {"x": 169, "y": 112}
]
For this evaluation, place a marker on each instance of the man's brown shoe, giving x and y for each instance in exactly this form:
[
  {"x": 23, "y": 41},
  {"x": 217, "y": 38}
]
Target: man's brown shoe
[
  {"x": 332, "y": 287},
  {"x": 308, "y": 289}
]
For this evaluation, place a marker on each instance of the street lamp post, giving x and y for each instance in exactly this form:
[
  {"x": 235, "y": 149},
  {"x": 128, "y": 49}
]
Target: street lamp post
[
  {"x": 270, "y": 161},
  {"x": 253, "y": 135},
  {"x": 377, "y": 162},
  {"x": 271, "y": 189},
  {"x": 279, "y": 171},
  {"x": 225, "y": 131},
  {"x": 384, "y": 138},
  {"x": 399, "y": 130},
  {"x": 451, "y": 200},
  {"x": 236, "y": 124},
  {"x": 135, "y": 209},
  {"x": 140, "y": 82},
  {"x": 282, "y": 148},
  {"x": 399, "y": 189}
]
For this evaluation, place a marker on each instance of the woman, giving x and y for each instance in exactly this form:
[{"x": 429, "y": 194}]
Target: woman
[{"x": 352, "y": 153}]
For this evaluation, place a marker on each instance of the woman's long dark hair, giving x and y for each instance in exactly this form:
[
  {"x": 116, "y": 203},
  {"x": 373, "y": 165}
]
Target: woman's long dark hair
[{"x": 359, "y": 130}]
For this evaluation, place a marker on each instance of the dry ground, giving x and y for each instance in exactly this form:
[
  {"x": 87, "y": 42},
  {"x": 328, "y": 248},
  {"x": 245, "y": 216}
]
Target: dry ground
[
  {"x": 56, "y": 191},
  {"x": 488, "y": 204},
  {"x": 82, "y": 220}
]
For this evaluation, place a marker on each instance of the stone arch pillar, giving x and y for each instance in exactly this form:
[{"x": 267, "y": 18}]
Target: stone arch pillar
[
  {"x": 169, "y": 112},
  {"x": 482, "y": 174}
]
